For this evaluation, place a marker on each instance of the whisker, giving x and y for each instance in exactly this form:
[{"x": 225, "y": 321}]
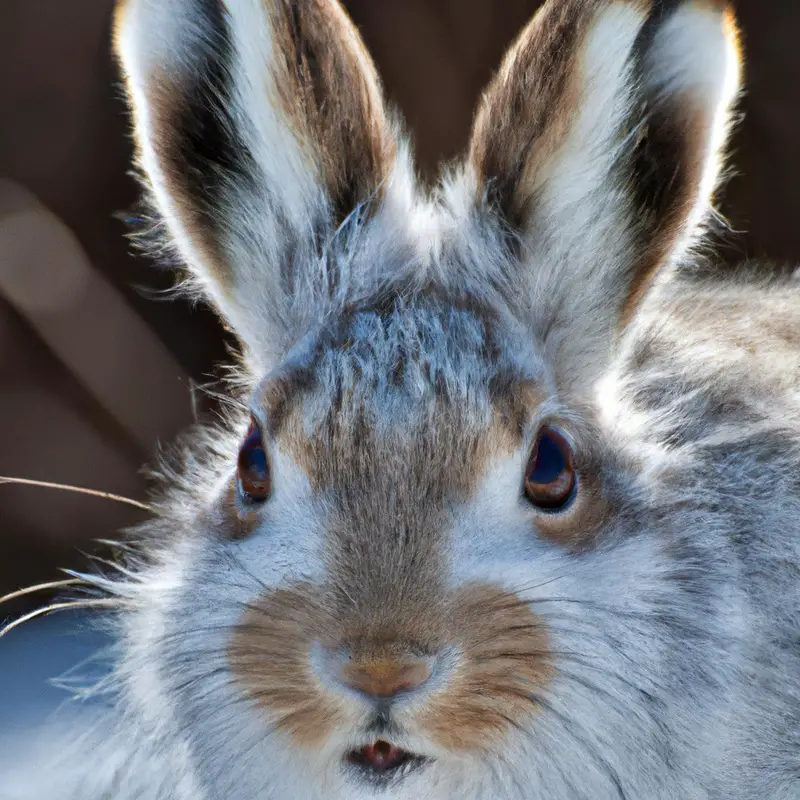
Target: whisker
[
  {"x": 54, "y": 608},
  {"x": 40, "y": 587},
  {"x": 529, "y": 587},
  {"x": 114, "y": 566},
  {"x": 592, "y": 606},
  {"x": 77, "y": 489},
  {"x": 619, "y": 705},
  {"x": 205, "y": 676},
  {"x": 239, "y": 563},
  {"x": 116, "y": 545},
  {"x": 116, "y": 589}
]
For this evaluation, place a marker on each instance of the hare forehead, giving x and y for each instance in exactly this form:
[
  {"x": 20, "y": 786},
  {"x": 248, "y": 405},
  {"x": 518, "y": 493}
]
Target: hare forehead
[{"x": 413, "y": 399}]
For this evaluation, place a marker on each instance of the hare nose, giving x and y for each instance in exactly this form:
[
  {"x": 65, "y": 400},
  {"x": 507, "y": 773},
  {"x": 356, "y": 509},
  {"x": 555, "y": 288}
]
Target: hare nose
[{"x": 385, "y": 677}]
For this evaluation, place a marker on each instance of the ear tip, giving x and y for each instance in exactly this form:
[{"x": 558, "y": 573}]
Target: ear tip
[
  {"x": 732, "y": 31},
  {"x": 119, "y": 23},
  {"x": 724, "y": 10},
  {"x": 125, "y": 31},
  {"x": 153, "y": 37},
  {"x": 697, "y": 49}
]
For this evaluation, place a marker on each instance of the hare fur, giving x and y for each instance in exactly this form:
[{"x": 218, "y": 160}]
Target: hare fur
[{"x": 402, "y": 351}]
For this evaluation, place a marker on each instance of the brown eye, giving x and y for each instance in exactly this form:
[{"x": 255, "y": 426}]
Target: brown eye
[
  {"x": 253, "y": 467},
  {"x": 550, "y": 478}
]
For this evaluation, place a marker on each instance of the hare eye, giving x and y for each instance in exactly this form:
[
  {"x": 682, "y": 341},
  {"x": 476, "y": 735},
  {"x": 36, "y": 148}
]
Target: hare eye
[
  {"x": 550, "y": 478},
  {"x": 253, "y": 467}
]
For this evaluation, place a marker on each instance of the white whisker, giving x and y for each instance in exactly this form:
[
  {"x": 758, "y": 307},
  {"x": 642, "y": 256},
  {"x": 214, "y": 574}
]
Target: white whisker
[
  {"x": 54, "y": 608},
  {"x": 78, "y": 489},
  {"x": 40, "y": 587}
]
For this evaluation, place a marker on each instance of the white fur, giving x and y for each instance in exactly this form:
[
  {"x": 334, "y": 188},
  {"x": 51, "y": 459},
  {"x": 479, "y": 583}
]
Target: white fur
[
  {"x": 671, "y": 630},
  {"x": 155, "y": 43},
  {"x": 695, "y": 57},
  {"x": 147, "y": 43},
  {"x": 578, "y": 170},
  {"x": 579, "y": 214}
]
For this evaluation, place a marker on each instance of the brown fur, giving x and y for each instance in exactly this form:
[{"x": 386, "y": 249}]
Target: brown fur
[
  {"x": 388, "y": 527},
  {"x": 339, "y": 452},
  {"x": 678, "y": 134},
  {"x": 165, "y": 96},
  {"x": 503, "y": 660},
  {"x": 328, "y": 89},
  {"x": 325, "y": 85},
  {"x": 506, "y": 662},
  {"x": 530, "y": 106},
  {"x": 660, "y": 229},
  {"x": 269, "y": 654},
  {"x": 167, "y": 101},
  {"x": 231, "y": 517},
  {"x": 527, "y": 110}
]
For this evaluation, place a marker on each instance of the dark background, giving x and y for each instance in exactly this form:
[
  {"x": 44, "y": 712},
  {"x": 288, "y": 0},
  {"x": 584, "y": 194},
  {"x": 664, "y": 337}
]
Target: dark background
[{"x": 96, "y": 365}]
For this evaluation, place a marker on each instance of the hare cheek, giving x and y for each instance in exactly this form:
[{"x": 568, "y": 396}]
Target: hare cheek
[
  {"x": 505, "y": 663},
  {"x": 270, "y": 658}
]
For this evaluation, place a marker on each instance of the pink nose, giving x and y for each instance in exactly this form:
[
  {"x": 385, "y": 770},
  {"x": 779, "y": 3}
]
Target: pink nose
[{"x": 385, "y": 677}]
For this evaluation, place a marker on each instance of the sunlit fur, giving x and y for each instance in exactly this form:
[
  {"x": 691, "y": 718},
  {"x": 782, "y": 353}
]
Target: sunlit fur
[{"x": 401, "y": 351}]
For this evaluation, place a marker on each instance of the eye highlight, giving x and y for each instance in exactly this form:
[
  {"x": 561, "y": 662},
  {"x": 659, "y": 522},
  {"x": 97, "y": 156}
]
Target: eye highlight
[
  {"x": 550, "y": 477},
  {"x": 253, "y": 467}
]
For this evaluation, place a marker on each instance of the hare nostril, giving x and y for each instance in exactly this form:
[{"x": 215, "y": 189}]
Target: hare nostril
[{"x": 384, "y": 678}]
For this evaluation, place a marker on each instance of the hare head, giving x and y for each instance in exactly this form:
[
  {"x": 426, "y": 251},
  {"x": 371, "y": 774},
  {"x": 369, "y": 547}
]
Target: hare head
[{"x": 418, "y": 564}]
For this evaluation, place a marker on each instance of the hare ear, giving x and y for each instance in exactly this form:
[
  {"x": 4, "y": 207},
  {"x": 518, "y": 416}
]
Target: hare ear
[
  {"x": 598, "y": 142},
  {"x": 261, "y": 127}
]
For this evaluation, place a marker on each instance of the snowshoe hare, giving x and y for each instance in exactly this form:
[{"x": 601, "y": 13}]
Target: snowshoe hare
[{"x": 512, "y": 511}]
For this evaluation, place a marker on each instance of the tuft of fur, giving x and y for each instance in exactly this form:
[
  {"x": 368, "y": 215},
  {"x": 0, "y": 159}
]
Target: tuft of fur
[{"x": 402, "y": 351}]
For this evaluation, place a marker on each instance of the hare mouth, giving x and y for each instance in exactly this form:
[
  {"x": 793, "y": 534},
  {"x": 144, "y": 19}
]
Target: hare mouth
[{"x": 381, "y": 760}]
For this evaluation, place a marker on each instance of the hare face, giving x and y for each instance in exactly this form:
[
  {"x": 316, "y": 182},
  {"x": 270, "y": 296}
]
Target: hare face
[
  {"x": 379, "y": 584},
  {"x": 390, "y": 576}
]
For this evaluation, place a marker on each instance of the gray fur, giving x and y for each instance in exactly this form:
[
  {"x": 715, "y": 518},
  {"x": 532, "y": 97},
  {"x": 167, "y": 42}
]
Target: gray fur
[{"x": 383, "y": 363}]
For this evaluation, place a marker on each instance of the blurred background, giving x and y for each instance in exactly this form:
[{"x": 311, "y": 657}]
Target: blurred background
[{"x": 96, "y": 365}]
